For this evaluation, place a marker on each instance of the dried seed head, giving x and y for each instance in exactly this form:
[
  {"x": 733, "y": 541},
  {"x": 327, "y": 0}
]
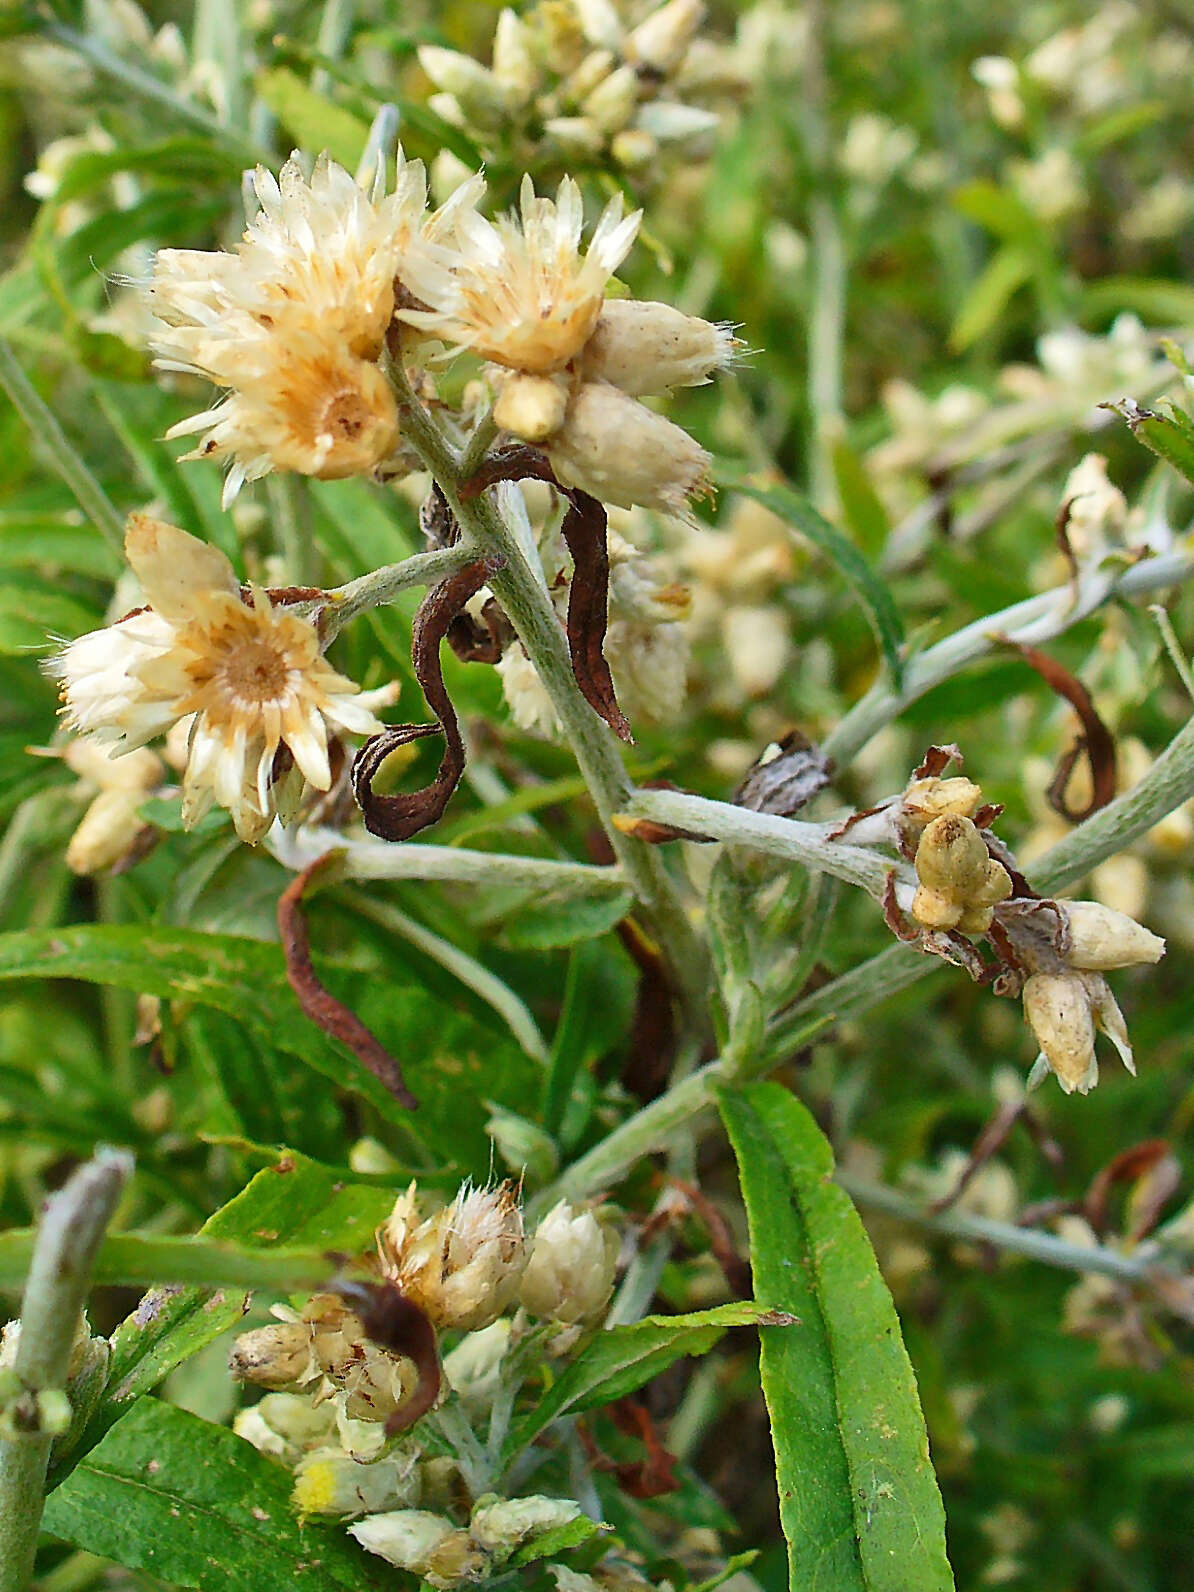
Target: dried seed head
[
  {"x": 1059, "y": 1012},
  {"x": 570, "y": 1273},
  {"x": 952, "y": 856},
  {"x": 1101, "y": 938},
  {"x": 623, "y": 453},
  {"x": 374, "y": 1382},
  {"x": 278, "y": 1356},
  {"x": 461, "y": 1266},
  {"x": 644, "y": 347}
]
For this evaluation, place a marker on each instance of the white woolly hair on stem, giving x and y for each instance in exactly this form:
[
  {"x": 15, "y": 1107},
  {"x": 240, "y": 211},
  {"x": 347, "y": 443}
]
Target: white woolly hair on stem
[{"x": 72, "y": 1226}]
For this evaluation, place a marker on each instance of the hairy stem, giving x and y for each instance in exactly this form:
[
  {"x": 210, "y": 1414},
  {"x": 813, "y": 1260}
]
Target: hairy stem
[
  {"x": 529, "y": 608},
  {"x": 383, "y": 585},
  {"x": 1031, "y": 622},
  {"x": 55, "y": 1291}
]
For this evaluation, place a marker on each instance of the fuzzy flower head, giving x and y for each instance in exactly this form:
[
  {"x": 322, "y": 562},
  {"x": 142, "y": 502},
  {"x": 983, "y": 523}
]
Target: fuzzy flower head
[
  {"x": 293, "y": 322},
  {"x": 521, "y": 293},
  {"x": 570, "y": 1273},
  {"x": 463, "y": 1265},
  {"x": 250, "y": 677}
]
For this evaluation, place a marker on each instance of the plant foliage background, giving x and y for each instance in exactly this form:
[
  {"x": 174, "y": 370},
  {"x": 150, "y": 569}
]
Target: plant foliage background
[{"x": 946, "y": 234}]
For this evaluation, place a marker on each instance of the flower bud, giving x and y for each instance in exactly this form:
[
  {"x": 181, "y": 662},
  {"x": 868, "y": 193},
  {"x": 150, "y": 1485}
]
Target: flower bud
[
  {"x": 531, "y": 407},
  {"x": 661, "y": 40},
  {"x": 612, "y": 103},
  {"x": 926, "y": 799},
  {"x": 587, "y": 78},
  {"x": 952, "y": 856},
  {"x": 108, "y": 832},
  {"x": 405, "y": 1538},
  {"x": 503, "y": 1524},
  {"x": 284, "y": 1425},
  {"x": 623, "y": 453},
  {"x": 634, "y": 149},
  {"x": 514, "y": 67},
  {"x": 643, "y": 347},
  {"x": 671, "y": 123},
  {"x": 1101, "y": 938},
  {"x": 473, "y": 85},
  {"x": 1059, "y": 1012},
  {"x": 331, "y": 1482},
  {"x": 574, "y": 136},
  {"x": 277, "y": 1356},
  {"x": 570, "y": 1273},
  {"x": 462, "y": 1266}
]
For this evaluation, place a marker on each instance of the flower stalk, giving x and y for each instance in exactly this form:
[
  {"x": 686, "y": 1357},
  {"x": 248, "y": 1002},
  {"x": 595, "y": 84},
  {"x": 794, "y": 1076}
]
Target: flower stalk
[{"x": 67, "y": 1241}]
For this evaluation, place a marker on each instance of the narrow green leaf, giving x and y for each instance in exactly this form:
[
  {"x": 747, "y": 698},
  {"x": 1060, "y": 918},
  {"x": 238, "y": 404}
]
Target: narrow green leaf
[
  {"x": 33, "y": 616},
  {"x": 173, "y": 158},
  {"x": 1000, "y": 210},
  {"x": 558, "y": 918},
  {"x": 621, "y": 1359},
  {"x": 988, "y": 296},
  {"x": 198, "y": 1506},
  {"x": 861, "y": 505},
  {"x": 143, "y": 1260},
  {"x": 1170, "y": 437},
  {"x": 245, "y": 978},
  {"x": 313, "y": 121},
  {"x": 868, "y": 586},
  {"x": 1154, "y": 299},
  {"x": 858, "y": 1499},
  {"x": 293, "y": 1204}
]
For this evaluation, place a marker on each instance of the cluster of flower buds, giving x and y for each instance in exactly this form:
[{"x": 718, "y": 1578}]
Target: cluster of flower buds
[
  {"x": 445, "y": 1555},
  {"x": 246, "y": 675},
  {"x": 295, "y": 322},
  {"x": 470, "y": 1261},
  {"x": 576, "y": 81},
  {"x": 1052, "y": 953},
  {"x": 646, "y": 639}
]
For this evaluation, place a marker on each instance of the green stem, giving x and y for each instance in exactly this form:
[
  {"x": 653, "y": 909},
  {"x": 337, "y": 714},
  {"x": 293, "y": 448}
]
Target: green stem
[
  {"x": 290, "y": 511},
  {"x": 55, "y": 1292},
  {"x": 529, "y": 608},
  {"x": 52, "y": 443},
  {"x": 1031, "y": 622},
  {"x": 472, "y": 974},
  {"x": 363, "y": 858},
  {"x": 382, "y": 586}
]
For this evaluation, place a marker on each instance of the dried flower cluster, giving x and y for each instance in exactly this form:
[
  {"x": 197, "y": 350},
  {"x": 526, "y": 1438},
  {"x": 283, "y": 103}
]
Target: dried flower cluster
[
  {"x": 336, "y": 1393},
  {"x": 1051, "y": 953}
]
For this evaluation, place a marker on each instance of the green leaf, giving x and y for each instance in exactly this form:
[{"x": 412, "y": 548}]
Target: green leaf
[
  {"x": 858, "y": 1499},
  {"x": 867, "y": 585},
  {"x": 293, "y": 1204},
  {"x": 621, "y": 1359},
  {"x": 558, "y": 1540},
  {"x": 314, "y": 122},
  {"x": 1170, "y": 437},
  {"x": 861, "y": 505},
  {"x": 1000, "y": 210},
  {"x": 988, "y": 296},
  {"x": 245, "y": 978},
  {"x": 562, "y": 917},
  {"x": 33, "y": 616},
  {"x": 172, "y": 158},
  {"x": 50, "y": 543},
  {"x": 1154, "y": 299},
  {"x": 198, "y": 1506}
]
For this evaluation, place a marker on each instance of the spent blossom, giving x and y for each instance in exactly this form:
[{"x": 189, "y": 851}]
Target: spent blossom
[
  {"x": 461, "y": 1266},
  {"x": 249, "y": 676}
]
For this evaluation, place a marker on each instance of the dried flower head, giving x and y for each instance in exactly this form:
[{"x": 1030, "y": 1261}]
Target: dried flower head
[
  {"x": 960, "y": 882},
  {"x": 521, "y": 293},
  {"x": 461, "y": 1266},
  {"x": 644, "y": 347},
  {"x": 250, "y": 677}
]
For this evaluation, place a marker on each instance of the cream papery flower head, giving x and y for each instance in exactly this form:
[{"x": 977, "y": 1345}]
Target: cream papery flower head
[
  {"x": 318, "y": 243},
  {"x": 299, "y": 402},
  {"x": 249, "y": 676},
  {"x": 463, "y": 1265},
  {"x": 522, "y": 294}
]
